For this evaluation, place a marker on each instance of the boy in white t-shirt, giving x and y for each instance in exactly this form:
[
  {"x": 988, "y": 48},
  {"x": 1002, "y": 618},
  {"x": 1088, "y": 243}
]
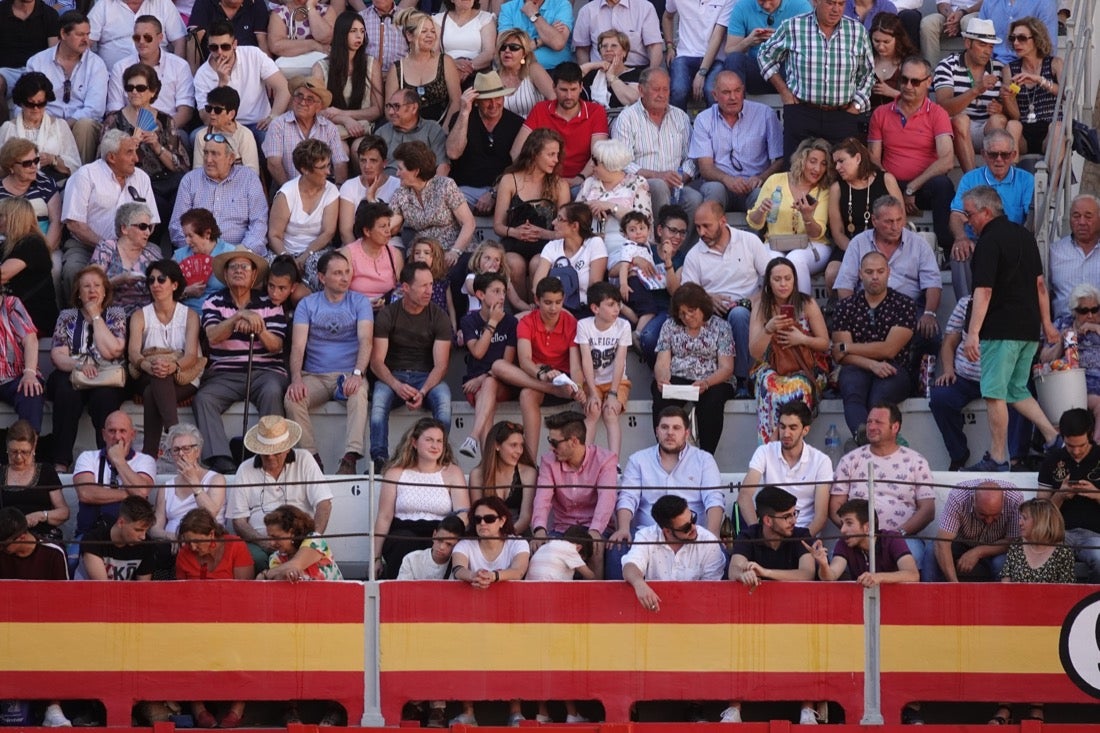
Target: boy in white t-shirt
[
  {"x": 603, "y": 341},
  {"x": 559, "y": 559},
  {"x": 635, "y": 285},
  {"x": 434, "y": 563}
]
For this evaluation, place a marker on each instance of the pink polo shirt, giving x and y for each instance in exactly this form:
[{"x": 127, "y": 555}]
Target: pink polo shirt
[
  {"x": 571, "y": 494},
  {"x": 908, "y": 144}
]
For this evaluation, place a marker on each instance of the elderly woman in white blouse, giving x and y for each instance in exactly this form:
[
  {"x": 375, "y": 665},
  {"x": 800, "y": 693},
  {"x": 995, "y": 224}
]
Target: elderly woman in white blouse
[
  {"x": 56, "y": 144},
  {"x": 611, "y": 192}
]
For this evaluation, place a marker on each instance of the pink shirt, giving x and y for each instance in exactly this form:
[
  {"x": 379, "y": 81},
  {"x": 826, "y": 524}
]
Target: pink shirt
[
  {"x": 908, "y": 144},
  {"x": 572, "y": 494}
]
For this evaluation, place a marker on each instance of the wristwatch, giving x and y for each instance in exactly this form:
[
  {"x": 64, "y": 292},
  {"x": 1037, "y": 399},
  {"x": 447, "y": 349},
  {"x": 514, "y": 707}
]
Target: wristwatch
[
  {"x": 842, "y": 347},
  {"x": 910, "y": 192},
  {"x": 357, "y": 372},
  {"x": 534, "y": 17},
  {"x": 703, "y": 71}
]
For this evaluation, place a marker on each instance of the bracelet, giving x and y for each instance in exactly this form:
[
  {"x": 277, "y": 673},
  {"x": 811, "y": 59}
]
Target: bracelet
[
  {"x": 30, "y": 371},
  {"x": 490, "y": 328},
  {"x": 930, "y": 313},
  {"x": 496, "y": 576}
]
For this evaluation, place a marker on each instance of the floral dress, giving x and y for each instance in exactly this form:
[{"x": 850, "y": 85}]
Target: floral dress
[
  {"x": 774, "y": 390},
  {"x": 431, "y": 213},
  {"x": 324, "y": 569},
  {"x": 632, "y": 194},
  {"x": 132, "y": 293},
  {"x": 1088, "y": 352},
  {"x": 1057, "y": 569}
]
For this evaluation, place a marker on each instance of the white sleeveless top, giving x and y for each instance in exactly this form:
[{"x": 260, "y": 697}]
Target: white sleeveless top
[
  {"x": 524, "y": 99},
  {"x": 157, "y": 335},
  {"x": 304, "y": 226},
  {"x": 422, "y": 496},
  {"x": 176, "y": 508}
]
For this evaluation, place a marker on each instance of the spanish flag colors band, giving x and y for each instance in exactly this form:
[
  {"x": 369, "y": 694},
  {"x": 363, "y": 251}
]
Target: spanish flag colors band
[{"x": 125, "y": 642}]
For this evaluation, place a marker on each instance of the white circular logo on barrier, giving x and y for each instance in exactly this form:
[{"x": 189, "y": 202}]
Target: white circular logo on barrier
[{"x": 1079, "y": 646}]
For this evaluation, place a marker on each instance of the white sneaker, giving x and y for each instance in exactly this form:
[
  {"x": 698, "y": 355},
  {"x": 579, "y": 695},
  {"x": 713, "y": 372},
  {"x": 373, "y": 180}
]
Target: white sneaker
[
  {"x": 540, "y": 718},
  {"x": 515, "y": 719},
  {"x": 576, "y": 719},
  {"x": 54, "y": 718},
  {"x": 464, "y": 719},
  {"x": 807, "y": 717},
  {"x": 470, "y": 448},
  {"x": 730, "y": 715}
]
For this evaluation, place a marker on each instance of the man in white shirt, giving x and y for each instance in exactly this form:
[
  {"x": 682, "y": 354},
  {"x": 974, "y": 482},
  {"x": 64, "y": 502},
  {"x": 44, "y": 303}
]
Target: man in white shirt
[
  {"x": 177, "y": 84},
  {"x": 92, "y": 196},
  {"x": 729, "y": 263},
  {"x": 263, "y": 88},
  {"x": 111, "y": 21},
  {"x": 278, "y": 475},
  {"x": 675, "y": 547},
  {"x": 794, "y": 465},
  {"x": 672, "y": 467},
  {"x": 103, "y": 478},
  {"x": 686, "y": 56}
]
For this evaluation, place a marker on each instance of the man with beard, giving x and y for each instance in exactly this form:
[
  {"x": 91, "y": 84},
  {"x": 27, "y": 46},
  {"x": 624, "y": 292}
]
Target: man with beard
[
  {"x": 670, "y": 468},
  {"x": 675, "y": 547},
  {"x": 772, "y": 549},
  {"x": 790, "y": 461},
  {"x": 871, "y": 334},
  {"x": 893, "y": 561}
]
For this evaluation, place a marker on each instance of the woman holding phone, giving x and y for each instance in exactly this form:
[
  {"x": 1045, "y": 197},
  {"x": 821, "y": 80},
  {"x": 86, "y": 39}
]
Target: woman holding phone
[{"x": 785, "y": 320}]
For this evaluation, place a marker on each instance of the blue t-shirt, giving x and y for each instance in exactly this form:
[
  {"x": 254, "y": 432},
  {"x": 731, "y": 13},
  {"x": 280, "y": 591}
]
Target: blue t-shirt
[
  {"x": 471, "y": 326},
  {"x": 1016, "y": 191},
  {"x": 333, "y": 342},
  {"x": 747, "y": 15},
  {"x": 511, "y": 16}
]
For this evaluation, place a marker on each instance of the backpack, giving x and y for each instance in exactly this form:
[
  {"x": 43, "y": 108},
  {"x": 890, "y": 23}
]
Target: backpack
[{"x": 570, "y": 281}]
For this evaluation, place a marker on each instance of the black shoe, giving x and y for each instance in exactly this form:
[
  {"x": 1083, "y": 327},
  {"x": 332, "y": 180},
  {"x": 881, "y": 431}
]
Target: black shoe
[
  {"x": 959, "y": 464},
  {"x": 222, "y": 464},
  {"x": 379, "y": 463}
]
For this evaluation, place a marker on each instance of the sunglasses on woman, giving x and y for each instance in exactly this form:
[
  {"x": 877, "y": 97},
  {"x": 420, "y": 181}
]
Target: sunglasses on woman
[
  {"x": 1081, "y": 311},
  {"x": 30, "y": 163},
  {"x": 158, "y": 279},
  {"x": 142, "y": 226},
  {"x": 513, "y": 47},
  {"x": 485, "y": 518},
  {"x": 142, "y": 88}
]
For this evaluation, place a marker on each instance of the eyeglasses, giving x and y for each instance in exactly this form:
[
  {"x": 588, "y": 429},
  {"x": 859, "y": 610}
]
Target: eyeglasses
[
  {"x": 142, "y": 226},
  {"x": 912, "y": 81},
  {"x": 20, "y": 452},
  {"x": 216, "y": 137},
  {"x": 135, "y": 195},
  {"x": 676, "y": 231},
  {"x": 485, "y": 518},
  {"x": 1019, "y": 37},
  {"x": 684, "y": 529},
  {"x": 67, "y": 91},
  {"x": 223, "y": 47},
  {"x": 238, "y": 266},
  {"x": 770, "y": 21},
  {"x": 212, "y": 109},
  {"x": 180, "y": 449},
  {"x": 968, "y": 214},
  {"x": 734, "y": 162},
  {"x": 159, "y": 279},
  {"x": 31, "y": 163},
  {"x": 306, "y": 99},
  {"x": 787, "y": 517},
  {"x": 554, "y": 443},
  {"x": 998, "y": 154},
  {"x": 394, "y": 106},
  {"x": 513, "y": 47},
  {"x": 35, "y": 105},
  {"x": 141, "y": 88},
  {"x": 1087, "y": 311},
  {"x": 147, "y": 37}
]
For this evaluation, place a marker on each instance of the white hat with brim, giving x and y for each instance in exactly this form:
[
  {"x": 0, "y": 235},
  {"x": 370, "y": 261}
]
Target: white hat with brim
[
  {"x": 241, "y": 252},
  {"x": 981, "y": 29},
  {"x": 272, "y": 434}
]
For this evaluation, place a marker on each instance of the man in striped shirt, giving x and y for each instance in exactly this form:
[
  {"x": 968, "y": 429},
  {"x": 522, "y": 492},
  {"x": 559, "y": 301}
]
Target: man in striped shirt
[
  {"x": 979, "y": 521},
  {"x": 232, "y": 318},
  {"x": 822, "y": 66}
]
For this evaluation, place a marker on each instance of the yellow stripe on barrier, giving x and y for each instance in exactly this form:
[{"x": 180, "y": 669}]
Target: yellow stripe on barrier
[
  {"x": 183, "y": 647},
  {"x": 442, "y": 647},
  {"x": 971, "y": 649}
]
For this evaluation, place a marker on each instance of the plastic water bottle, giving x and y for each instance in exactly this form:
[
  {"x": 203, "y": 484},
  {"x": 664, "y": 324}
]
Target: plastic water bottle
[
  {"x": 676, "y": 192},
  {"x": 777, "y": 201},
  {"x": 832, "y": 444}
]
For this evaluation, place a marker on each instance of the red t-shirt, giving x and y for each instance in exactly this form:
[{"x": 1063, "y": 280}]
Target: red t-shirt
[
  {"x": 236, "y": 555},
  {"x": 577, "y": 132},
  {"x": 549, "y": 347},
  {"x": 908, "y": 147}
]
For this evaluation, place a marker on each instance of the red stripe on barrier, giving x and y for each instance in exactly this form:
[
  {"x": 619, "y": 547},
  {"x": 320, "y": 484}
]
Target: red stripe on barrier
[
  {"x": 980, "y": 604},
  {"x": 224, "y": 601},
  {"x": 615, "y": 603}
]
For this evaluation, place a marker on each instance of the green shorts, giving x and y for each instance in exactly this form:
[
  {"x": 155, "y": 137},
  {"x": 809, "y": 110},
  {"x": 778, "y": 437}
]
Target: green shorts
[{"x": 1006, "y": 367}]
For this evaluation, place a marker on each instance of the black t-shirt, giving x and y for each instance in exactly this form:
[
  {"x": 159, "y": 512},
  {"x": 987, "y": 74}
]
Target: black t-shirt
[
  {"x": 749, "y": 545},
  {"x": 33, "y": 498},
  {"x": 247, "y": 22},
  {"x": 34, "y": 284},
  {"x": 123, "y": 563},
  {"x": 20, "y": 39},
  {"x": 1006, "y": 259},
  {"x": 47, "y": 562},
  {"x": 411, "y": 337},
  {"x": 472, "y": 325},
  {"x": 486, "y": 155},
  {"x": 1079, "y": 512}
]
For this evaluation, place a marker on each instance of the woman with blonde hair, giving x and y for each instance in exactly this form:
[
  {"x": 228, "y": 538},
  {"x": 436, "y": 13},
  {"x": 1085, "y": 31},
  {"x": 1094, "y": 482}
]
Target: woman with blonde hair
[
  {"x": 26, "y": 267},
  {"x": 431, "y": 74},
  {"x": 520, "y": 70},
  {"x": 799, "y": 227},
  {"x": 421, "y": 485}
]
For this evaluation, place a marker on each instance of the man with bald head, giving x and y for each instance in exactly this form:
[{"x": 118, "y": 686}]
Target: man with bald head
[
  {"x": 978, "y": 523},
  {"x": 104, "y": 477}
]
